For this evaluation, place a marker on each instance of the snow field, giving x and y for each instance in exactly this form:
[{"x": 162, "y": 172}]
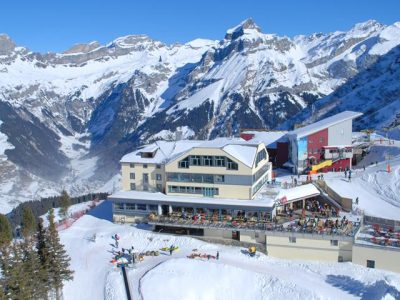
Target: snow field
[{"x": 234, "y": 276}]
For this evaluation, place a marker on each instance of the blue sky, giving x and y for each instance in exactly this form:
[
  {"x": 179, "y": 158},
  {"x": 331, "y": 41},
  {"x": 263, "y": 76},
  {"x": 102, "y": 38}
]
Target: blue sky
[{"x": 58, "y": 24}]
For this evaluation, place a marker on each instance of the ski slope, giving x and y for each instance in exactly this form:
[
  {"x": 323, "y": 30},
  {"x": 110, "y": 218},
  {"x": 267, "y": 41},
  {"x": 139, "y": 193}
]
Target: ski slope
[
  {"x": 234, "y": 276},
  {"x": 378, "y": 191}
]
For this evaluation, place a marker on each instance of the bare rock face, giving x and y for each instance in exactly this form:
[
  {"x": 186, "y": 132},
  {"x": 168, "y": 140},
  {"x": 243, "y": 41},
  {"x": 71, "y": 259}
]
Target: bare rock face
[{"x": 83, "y": 48}]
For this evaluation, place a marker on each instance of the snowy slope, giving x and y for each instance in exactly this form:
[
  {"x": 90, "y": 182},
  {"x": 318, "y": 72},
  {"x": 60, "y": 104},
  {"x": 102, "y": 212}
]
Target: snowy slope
[{"x": 234, "y": 276}]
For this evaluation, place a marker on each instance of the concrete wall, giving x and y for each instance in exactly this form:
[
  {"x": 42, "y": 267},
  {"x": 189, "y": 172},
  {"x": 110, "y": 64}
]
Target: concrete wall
[
  {"x": 216, "y": 233},
  {"x": 308, "y": 249},
  {"x": 122, "y": 218},
  {"x": 385, "y": 258},
  {"x": 340, "y": 134},
  {"x": 139, "y": 170},
  {"x": 252, "y": 237}
]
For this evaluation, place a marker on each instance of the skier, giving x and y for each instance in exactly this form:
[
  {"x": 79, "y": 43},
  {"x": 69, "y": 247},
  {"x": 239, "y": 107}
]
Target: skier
[
  {"x": 357, "y": 200},
  {"x": 345, "y": 173},
  {"x": 364, "y": 167},
  {"x": 217, "y": 256},
  {"x": 208, "y": 256},
  {"x": 171, "y": 249}
]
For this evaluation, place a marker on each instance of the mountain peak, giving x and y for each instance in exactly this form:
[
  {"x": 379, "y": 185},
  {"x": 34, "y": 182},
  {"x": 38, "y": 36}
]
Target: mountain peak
[
  {"x": 7, "y": 45},
  {"x": 366, "y": 27},
  {"x": 240, "y": 29}
]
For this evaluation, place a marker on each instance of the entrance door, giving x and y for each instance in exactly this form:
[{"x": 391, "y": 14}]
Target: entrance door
[{"x": 165, "y": 210}]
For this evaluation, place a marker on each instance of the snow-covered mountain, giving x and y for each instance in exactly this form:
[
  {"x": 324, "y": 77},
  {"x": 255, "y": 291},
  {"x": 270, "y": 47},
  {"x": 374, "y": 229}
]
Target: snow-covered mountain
[{"x": 67, "y": 118}]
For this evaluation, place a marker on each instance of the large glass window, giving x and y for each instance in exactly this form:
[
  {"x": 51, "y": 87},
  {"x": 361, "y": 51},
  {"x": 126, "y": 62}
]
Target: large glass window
[
  {"x": 220, "y": 161},
  {"x": 119, "y": 206},
  {"x": 159, "y": 187},
  {"x": 219, "y": 178},
  {"x": 158, "y": 177},
  {"x": 231, "y": 165},
  {"x": 153, "y": 207},
  {"x": 132, "y": 175},
  {"x": 132, "y": 165},
  {"x": 141, "y": 206},
  {"x": 261, "y": 156},
  {"x": 208, "y": 160},
  {"x": 133, "y": 186},
  {"x": 195, "y": 160},
  {"x": 130, "y": 206},
  {"x": 184, "y": 163}
]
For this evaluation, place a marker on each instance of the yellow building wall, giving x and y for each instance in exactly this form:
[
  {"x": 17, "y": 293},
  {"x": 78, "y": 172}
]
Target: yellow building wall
[
  {"x": 225, "y": 190},
  {"x": 303, "y": 249},
  {"x": 139, "y": 170},
  {"x": 384, "y": 259}
]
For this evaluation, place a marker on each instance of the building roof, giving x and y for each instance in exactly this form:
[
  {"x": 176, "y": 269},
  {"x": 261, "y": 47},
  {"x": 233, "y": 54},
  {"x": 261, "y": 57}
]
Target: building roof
[
  {"x": 166, "y": 151},
  {"x": 269, "y": 138},
  {"x": 298, "y": 193},
  {"x": 325, "y": 123},
  {"x": 158, "y": 198}
]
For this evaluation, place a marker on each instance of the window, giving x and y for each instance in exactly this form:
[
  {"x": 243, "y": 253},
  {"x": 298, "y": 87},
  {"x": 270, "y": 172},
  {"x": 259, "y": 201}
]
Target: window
[
  {"x": 158, "y": 177},
  {"x": 145, "y": 166},
  {"x": 195, "y": 160},
  {"x": 321, "y": 139},
  {"x": 184, "y": 163},
  {"x": 219, "y": 178},
  {"x": 261, "y": 156},
  {"x": 208, "y": 161},
  {"x": 371, "y": 264},
  {"x": 256, "y": 235},
  {"x": 141, "y": 206},
  {"x": 310, "y": 141},
  {"x": 133, "y": 186},
  {"x": 119, "y": 205},
  {"x": 132, "y": 165},
  {"x": 220, "y": 161},
  {"x": 132, "y": 175},
  {"x": 334, "y": 242},
  {"x": 158, "y": 166},
  {"x": 292, "y": 239},
  {"x": 231, "y": 165},
  {"x": 145, "y": 187},
  {"x": 159, "y": 187},
  {"x": 153, "y": 207},
  {"x": 130, "y": 206},
  {"x": 145, "y": 178}
]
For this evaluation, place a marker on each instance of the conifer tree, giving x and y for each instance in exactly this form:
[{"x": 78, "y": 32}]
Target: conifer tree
[
  {"x": 65, "y": 203},
  {"x": 28, "y": 223},
  {"x": 58, "y": 261},
  {"x": 5, "y": 231}
]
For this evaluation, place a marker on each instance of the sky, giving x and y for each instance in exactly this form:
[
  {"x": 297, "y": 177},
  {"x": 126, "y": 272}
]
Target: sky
[{"x": 56, "y": 25}]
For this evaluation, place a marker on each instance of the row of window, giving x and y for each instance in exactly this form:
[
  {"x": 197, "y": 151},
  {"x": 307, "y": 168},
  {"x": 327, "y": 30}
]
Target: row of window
[
  {"x": 321, "y": 140},
  {"x": 200, "y": 178},
  {"x": 146, "y": 177},
  {"x": 209, "y": 161},
  {"x": 292, "y": 239},
  {"x": 260, "y": 172},
  {"x": 261, "y": 156},
  {"x": 135, "y": 206},
  {"x": 205, "y": 191},
  {"x": 145, "y": 187},
  {"x": 132, "y": 165},
  {"x": 347, "y": 150}
]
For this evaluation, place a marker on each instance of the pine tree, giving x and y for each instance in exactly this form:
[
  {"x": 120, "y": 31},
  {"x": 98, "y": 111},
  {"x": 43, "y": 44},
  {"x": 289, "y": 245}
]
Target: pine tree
[
  {"x": 28, "y": 222},
  {"x": 43, "y": 255},
  {"x": 5, "y": 231},
  {"x": 58, "y": 259},
  {"x": 65, "y": 203}
]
